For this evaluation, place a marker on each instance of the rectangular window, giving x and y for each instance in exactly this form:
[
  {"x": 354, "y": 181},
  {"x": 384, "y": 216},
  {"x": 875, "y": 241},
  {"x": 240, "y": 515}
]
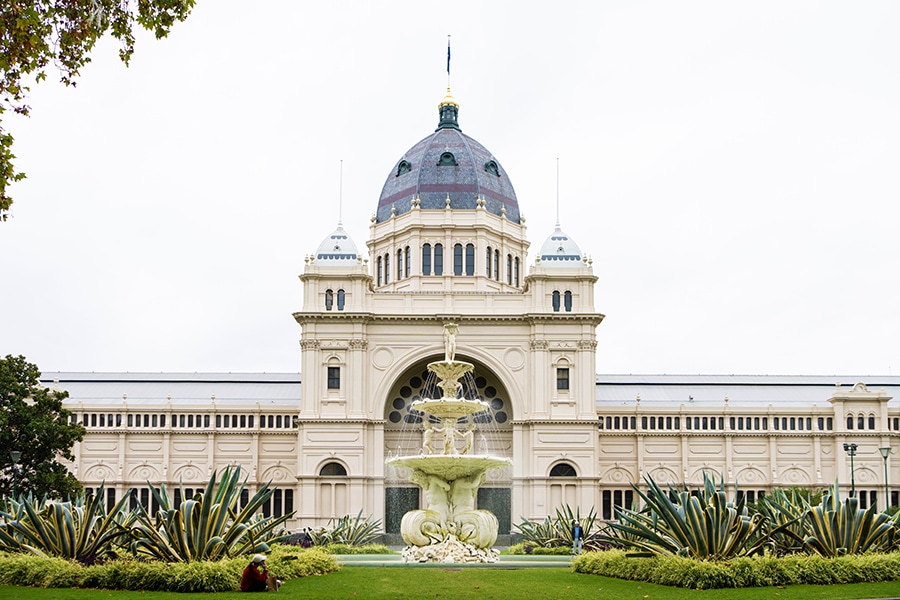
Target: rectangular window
[
  {"x": 250, "y": 421},
  {"x": 607, "y": 505},
  {"x": 206, "y": 421},
  {"x": 562, "y": 379},
  {"x": 334, "y": 378},
  {"x": 243, "y": 420},
  {"x": 218, "y": 420}
]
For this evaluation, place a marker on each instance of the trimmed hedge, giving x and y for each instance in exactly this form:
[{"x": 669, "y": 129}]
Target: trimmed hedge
[
  {"x": 364, "y": 549},
  {"x": 130, "y": 574},
  {"x": 532, "y": 548},
  {"x": 757, "y": 571}
]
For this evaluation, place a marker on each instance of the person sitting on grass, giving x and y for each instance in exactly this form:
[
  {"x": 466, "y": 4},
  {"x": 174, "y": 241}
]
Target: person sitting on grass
[{"x": 256, "y": 577}]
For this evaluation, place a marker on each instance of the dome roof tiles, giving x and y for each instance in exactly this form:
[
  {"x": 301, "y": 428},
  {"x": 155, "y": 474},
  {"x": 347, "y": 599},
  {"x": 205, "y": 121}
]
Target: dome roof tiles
[{"x": 448, "y": 163}]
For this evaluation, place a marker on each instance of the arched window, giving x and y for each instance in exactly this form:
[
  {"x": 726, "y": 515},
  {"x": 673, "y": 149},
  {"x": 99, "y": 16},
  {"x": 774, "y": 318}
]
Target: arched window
[
  {"x": 387, "y": 268},
  {"x": 563, "y": 470},
  {"x": 426, "y": 259},
  {"x": 509, "y": 269},
  {"x": 380, "y": 268},
  {"x": 406, "y": 263},
  {"x": 871, "y": 422},
  {"x": 849, "y": 421},
  {"x": 567, "y": 301},
  {"x": 470, "y": 260},
  {"x": 496, "y": 265},
  {"x": 860, "y": 422},
  {"x": 457, "y": 259},
  {"x": 555, "y": 300},
  {"x": 329, "y": 299},
  {"x": 340, "y": 299},
  {"x": 399, "y": 265},
  {"x": 333, "y": 469},
  {"x": 517, "y": 271},
  {"x": 438, "y": 259},
  {"x": 487, "y": 262}
]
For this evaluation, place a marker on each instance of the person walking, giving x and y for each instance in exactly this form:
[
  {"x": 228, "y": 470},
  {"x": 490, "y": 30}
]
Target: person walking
[{"x": 577, "y": 537}]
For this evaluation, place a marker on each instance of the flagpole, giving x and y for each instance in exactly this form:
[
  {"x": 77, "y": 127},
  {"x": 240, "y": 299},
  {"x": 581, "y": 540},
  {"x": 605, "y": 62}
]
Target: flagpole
[{"x": 448, "y": 61}]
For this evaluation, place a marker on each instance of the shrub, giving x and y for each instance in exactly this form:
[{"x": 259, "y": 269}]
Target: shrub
[
  {"x": 754, "y": 571},
  {"x": 131, "y": 574}
]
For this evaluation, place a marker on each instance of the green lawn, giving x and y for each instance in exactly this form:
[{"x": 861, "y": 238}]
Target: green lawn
[{"x": 355, "y": 583}]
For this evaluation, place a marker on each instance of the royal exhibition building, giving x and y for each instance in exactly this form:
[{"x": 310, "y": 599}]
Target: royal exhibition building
[{"x": 447, "y": 244}]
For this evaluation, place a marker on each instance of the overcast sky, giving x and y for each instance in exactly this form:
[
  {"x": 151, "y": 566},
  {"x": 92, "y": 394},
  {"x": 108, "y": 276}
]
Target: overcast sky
[{"x": 731, "y": 168}]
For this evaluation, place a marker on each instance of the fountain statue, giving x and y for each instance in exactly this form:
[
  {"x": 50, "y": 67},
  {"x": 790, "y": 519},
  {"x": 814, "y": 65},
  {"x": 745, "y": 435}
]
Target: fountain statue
[{"x": 449, "y": 529}]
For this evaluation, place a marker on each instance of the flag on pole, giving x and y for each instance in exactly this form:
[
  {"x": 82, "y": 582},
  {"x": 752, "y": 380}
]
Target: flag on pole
[{"x": 448, "y": 56}]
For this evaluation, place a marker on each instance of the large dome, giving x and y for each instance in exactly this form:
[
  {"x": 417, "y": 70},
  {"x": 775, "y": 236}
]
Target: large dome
[{"x": 448, "y": 163}]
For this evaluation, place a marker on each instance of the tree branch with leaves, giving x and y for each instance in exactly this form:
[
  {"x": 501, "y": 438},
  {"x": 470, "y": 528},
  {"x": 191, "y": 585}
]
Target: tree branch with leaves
[{"x": 36, "y": 35}]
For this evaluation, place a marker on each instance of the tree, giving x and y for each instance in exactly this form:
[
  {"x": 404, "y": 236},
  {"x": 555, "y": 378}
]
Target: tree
[
  {"x": 34, "y": 422},
  {"x": 37, "y": 33}
]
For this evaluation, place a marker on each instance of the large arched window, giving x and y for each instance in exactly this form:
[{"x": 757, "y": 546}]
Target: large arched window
[
  {"x": 329, "y": 299},
  {"x": 516, "y": 274},
  {"x": 496, "y": 265},
  {"x": 509, "y": 269},
  {"x": 399, "y": 264},
  {"x": 340, "y": 299},
  {"x": 406, "y": 263},
  {"x": 488, "y": 257},
  {"x": 438, "y": 259},
  {"x": 563, "y": 470},
  {"x": 457, "y": 259},
  {"x": 470, "y": 260},
  {"x": 387, "y": 268},
  {"x": 380, "y": 267},
  {"x": 555, "y": 300},
  {"x": 333, "y": 469},
  {"x": 567, "y": 301},
  {"x": 426, "y": 259}
]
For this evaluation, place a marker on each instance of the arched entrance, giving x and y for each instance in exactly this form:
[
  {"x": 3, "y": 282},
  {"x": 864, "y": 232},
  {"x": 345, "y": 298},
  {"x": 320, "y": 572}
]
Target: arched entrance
[{"x": 403, "y": 437}]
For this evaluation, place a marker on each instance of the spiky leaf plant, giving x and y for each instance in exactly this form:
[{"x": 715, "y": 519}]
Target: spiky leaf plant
[
  {"x": 210, "y": 526},
  {"x": 556, "y": 531},
  {"x": 703, "y": 526},
  {"x": 835, "y": 528},
  {"x": 349, "y": 530},
  {"x": 81, "y": 529}
]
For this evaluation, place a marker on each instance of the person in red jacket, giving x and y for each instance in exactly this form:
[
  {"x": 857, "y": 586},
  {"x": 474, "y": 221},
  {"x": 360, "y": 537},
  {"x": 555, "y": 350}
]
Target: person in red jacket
[{"x": 256, "y": 577}]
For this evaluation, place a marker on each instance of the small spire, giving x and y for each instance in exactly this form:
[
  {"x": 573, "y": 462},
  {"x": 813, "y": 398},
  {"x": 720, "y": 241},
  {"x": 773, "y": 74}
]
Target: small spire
[{"x": 448, "y": 110}]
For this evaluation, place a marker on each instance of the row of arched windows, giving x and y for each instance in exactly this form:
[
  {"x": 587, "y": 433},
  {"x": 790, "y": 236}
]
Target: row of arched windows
[
  {"x": 861, "y": 421},
  {"x": 463, "y": 257},
  {"x": 329, "y": 299},
  {"x": 566, "y": 300}
]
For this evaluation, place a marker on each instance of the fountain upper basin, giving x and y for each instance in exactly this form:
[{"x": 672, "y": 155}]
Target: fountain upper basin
[{"x": 450, "y": 467}]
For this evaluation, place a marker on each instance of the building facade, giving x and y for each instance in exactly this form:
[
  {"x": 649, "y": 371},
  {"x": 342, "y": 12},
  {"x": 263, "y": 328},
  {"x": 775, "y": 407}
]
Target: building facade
[{"x": 447, "y": 243}]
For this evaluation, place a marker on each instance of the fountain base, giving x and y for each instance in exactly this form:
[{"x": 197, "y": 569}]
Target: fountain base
[{"x": 451, "y": 551}]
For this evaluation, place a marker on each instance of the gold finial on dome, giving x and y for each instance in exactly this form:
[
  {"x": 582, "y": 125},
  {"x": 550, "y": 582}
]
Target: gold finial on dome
[{"x": 448, "y": 100}]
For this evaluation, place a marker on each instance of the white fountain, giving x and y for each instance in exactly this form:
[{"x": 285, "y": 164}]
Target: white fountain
[{"x": 449, "y": 529}]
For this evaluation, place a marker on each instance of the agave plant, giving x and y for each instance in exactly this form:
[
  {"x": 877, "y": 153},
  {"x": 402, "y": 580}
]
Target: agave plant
[
  {"x": 209, "y": 526},
  {"x": 81, "y": 529},
  {"x": 704, "y": 526},
  {"x": 834, "y": 528},
  {"x": 352, "y": 531},
  {"x": 555, "y": 531},
  {"x": 784, "y": 511}
]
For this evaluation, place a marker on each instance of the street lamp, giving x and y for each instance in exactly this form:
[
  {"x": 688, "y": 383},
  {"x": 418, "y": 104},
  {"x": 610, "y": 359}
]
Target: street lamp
[
  {"x": 15, "y": 455},
  {"x": 851, "y": 450},
  {"x": 885, "y": 452}
]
